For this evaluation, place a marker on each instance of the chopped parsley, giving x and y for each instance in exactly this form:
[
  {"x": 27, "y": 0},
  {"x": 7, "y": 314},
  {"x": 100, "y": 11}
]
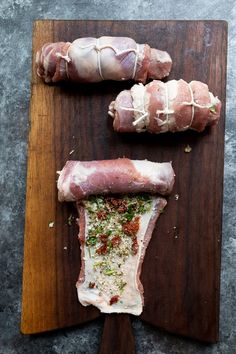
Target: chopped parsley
[{"x": 91, "y": 241}]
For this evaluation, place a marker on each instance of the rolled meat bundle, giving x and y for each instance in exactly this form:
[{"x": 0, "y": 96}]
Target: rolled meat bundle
[
  {"x": 105, "y": 58},
  {"x": 161, "y": 107},
  {"x": 80, "y": 179}
]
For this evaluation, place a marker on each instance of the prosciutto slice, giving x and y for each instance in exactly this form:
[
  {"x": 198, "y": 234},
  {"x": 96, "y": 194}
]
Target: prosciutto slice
[
  {"x": 161, "y": 107},
  {"x": 105, "y": 58},
  {"x": 80, "y": 179}
]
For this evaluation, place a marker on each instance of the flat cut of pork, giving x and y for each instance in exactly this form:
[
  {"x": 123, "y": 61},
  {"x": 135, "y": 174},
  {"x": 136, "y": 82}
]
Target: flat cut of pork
[
  {"x": 114, "y": 229},
  {"x": 97, "y": 59},
  {"x": 114, "y": 234},
  {"x": 80, "y": 179},
  {"x": 162, "y": 107}
]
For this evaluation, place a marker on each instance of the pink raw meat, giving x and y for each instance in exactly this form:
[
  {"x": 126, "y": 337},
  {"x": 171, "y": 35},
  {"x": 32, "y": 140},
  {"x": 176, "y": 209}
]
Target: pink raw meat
[{"x": 105, "y": 58}]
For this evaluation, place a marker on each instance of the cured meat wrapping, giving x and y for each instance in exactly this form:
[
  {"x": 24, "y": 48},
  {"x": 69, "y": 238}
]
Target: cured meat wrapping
[
  {"x": 161, "y": 107},
  {"x": 79, "y": 179},
  {"x": 114, "y": 229},
  {"x": 105, "y": 58}
]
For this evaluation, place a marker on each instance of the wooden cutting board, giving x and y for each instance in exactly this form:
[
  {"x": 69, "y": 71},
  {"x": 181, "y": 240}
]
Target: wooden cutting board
[{"x": 181, "y": 270}]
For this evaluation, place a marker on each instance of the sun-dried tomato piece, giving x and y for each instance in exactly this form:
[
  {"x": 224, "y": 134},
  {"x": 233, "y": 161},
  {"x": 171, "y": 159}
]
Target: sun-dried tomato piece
[
  {"x": 117, "y": 203},
  {"x": 122, "y": 209},
  {"x": 116, "y": 240},
  {"x": 91, "y": 285},
  {"x": 114, "y": 299},
  {"x": 102, "y": 215},
  {"x": 102, "y": 250},
  {"x": 131, "y": 228},
  {"x": 103, "y": 238}
]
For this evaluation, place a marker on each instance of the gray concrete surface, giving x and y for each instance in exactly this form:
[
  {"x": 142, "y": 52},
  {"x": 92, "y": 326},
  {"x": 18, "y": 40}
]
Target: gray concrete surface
[{"x": 16, "y": 18}]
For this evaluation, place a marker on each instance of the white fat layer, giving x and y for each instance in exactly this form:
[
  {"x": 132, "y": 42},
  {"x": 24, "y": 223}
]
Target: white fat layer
[
  {"x": 214, "y": 99},
  {"x": 63, "y": 185},
  {"x": 131, "y": 297},
  {"x": 78, "y": 175},
  {"x": 172, "y": 91},
  {"x": 85, "y": 59},
  {"x": 163, "y": 57},
  {"x": 154, "y": 171},
  {"x": 140, "y": 107}
]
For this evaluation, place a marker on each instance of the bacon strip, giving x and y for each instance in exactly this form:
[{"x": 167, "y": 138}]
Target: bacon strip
[
  {"x": 104, "y": 58},
  {"x": 161, "y": 107},
  {"x": 79, "y": 179}
]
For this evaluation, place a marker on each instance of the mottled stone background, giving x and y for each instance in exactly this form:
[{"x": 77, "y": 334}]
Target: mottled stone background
[{"x": 16, "y": 17}]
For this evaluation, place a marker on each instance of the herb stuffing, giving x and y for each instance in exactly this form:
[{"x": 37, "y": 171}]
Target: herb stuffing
[{"x": 113, "y": 224}]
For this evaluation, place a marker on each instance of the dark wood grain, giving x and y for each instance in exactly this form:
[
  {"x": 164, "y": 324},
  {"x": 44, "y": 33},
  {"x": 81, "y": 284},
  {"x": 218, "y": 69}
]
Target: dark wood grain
[
  {"x": 117, "y": 337},
  {"x": 181, "y": 271}
]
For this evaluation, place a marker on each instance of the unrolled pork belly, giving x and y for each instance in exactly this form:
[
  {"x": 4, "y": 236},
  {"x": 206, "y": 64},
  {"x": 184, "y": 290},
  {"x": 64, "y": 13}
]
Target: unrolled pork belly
[
  {"x": 104, "y": 58},
  {"x": 161, "y": 107},
  {"x": 114, "y": 229},
  {"x": 80, "y": 179},
  {"x": 114, "y": 234}
]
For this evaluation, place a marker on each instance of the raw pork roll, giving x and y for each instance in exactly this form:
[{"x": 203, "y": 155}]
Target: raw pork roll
[
  {"x": 161, "y": 107},
  {"x": 104, "y": 58},
  {"x": 79, "y": 179}
]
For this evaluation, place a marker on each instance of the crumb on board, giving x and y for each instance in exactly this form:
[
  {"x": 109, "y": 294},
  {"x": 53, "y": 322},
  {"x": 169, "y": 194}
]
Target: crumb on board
[
  {"x": 71, "y": 152},
  {"x": 175, "y": 232},
  {"x": 51, "y": 224},
  {"x": 187, "y": 148},
  {"x": 176, "y": 196},
  {"x": 70, "y": 220},
  {"x": 65, "y": 248}
]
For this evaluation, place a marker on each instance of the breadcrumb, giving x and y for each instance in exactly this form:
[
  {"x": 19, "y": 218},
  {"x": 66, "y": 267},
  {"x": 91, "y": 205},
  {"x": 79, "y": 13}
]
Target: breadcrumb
[{"x": 187, "y": 148}]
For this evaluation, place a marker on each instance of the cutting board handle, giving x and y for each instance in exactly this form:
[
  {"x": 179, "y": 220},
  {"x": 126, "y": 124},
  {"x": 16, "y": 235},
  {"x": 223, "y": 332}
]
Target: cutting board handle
[{"x": 117, "y": 337}]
